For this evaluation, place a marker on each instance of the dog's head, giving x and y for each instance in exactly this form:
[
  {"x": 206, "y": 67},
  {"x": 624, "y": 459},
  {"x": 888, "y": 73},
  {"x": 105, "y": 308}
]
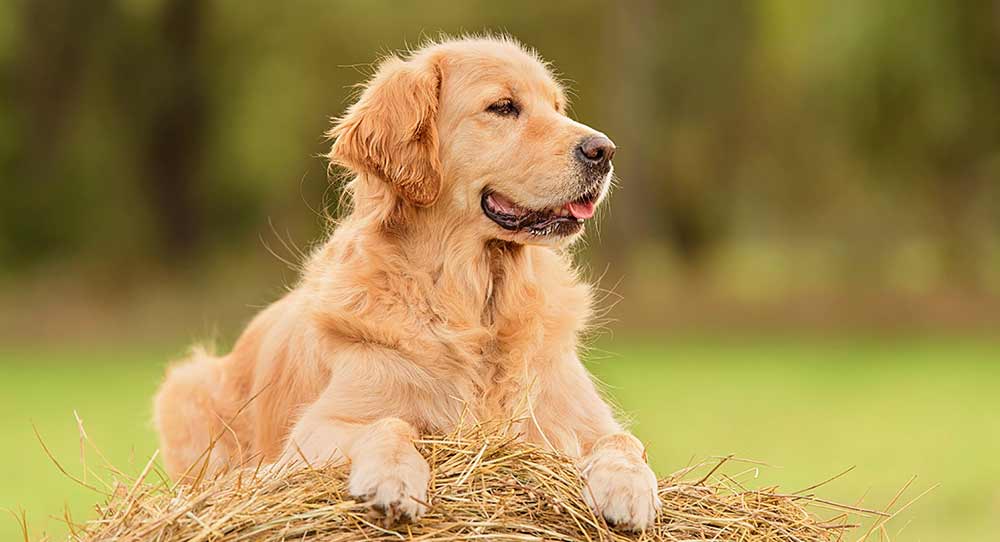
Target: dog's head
[{"x": 475, "y": 130}]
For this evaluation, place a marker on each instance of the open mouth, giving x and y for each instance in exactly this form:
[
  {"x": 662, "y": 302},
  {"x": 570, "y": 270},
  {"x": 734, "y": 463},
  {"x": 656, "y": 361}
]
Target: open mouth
[{"x": 562, "y": 219}]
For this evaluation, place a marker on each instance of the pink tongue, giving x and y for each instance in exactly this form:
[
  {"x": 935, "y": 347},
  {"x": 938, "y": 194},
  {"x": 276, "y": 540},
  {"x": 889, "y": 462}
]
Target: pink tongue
[{"x": 581, "y": 210}]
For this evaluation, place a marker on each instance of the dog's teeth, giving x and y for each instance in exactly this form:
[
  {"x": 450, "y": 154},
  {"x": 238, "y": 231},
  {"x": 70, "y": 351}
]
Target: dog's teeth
[{"x": 579, "y": 221}]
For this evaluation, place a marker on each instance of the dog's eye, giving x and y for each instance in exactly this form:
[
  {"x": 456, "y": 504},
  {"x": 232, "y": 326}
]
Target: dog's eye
[{"x": 504, "y": 108}]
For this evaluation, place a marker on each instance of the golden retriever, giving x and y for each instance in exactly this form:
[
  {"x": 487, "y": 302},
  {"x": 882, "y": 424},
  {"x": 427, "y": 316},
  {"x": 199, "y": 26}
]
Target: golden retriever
[{"x": 444, "y": 295}]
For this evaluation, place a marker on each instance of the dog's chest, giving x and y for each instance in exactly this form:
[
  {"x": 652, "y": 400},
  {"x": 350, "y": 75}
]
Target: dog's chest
[
  {"x": 494, "y": 348},
  {"x": 494, "y": 375}
]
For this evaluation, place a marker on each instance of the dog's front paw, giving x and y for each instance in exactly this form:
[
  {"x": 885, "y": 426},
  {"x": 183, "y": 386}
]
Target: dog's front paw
[
  {"x": 395, "y": 490},
  {"x": 621, "y": 487}
]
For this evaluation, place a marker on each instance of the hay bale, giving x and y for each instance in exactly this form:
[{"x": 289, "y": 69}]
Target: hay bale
[{"x": 485, "y": 485}]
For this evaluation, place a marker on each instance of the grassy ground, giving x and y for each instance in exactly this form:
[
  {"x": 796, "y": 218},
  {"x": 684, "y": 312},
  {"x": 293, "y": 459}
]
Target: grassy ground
[{"x": 893, "y": 408}]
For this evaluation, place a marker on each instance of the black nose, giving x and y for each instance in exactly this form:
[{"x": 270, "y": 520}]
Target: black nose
[{"x": 596, "y": 150}]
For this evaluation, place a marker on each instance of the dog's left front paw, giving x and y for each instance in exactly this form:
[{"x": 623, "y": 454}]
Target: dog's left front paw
[{"x": 622, "y": 488}]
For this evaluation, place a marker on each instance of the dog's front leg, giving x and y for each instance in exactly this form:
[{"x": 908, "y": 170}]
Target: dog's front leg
[
  {"x": 575, "y": 419},
  {"x": 386, "y": 469}
]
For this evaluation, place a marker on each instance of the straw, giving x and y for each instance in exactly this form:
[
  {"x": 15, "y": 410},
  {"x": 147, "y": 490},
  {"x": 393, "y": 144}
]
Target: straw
[{"x": 485, "y": 485}]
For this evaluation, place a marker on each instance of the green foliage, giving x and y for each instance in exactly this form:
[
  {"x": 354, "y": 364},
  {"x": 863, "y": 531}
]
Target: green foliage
[{"x": 161, "y": 130}]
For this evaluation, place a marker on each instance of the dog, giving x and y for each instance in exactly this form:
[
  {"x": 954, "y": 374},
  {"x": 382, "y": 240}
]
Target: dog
[{"x": 444, "y": 295}]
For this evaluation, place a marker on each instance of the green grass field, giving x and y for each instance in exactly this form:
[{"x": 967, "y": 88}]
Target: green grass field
[{"x": 811, "y": 408}]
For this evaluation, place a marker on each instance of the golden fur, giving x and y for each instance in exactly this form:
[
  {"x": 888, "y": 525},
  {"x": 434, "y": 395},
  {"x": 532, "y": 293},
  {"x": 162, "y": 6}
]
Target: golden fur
[{"x": 419, "y": 312}]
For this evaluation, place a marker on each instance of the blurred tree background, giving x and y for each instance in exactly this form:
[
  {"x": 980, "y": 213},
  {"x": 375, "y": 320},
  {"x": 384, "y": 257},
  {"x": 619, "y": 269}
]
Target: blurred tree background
[{"x": 827, "y": 163}]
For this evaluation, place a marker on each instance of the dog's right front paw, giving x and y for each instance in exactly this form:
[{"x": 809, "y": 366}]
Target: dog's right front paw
[{"x": 396, "y": 491}]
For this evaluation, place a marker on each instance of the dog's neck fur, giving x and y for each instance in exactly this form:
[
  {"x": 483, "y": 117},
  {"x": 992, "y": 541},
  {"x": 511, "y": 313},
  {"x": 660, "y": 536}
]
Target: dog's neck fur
[
  {"x": 459, "y": 283},
  {"x": 432, "y": 242},
  {"x": 480, "y": 268}
]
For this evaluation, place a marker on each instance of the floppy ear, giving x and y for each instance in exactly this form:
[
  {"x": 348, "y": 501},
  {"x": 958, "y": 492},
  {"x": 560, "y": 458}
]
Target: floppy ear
[{"x": 391, "y": 131}]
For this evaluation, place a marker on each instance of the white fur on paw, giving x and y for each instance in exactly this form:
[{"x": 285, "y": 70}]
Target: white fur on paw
[
  {"x": 396, "y": 490},
  {"x": 621, "y": 488}
]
